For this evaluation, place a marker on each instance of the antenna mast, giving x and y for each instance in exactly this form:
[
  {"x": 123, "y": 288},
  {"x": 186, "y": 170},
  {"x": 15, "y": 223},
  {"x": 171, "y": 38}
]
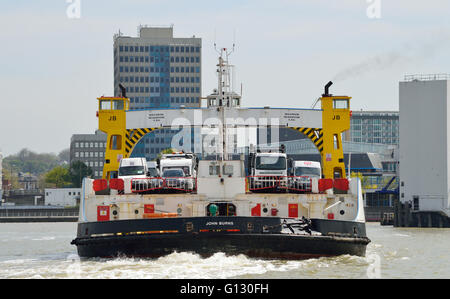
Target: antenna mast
[{"x": 224, "y": 97}]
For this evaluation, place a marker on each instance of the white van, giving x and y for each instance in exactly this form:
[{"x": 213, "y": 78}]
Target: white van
[{"x": 133, "y": 168}]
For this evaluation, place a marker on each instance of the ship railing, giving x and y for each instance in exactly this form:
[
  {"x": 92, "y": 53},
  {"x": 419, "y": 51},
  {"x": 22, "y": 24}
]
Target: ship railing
[
  {"x": 261, "y": 182},
  {"x": 299, "y": 183},
  {"x": 286, "y": 183},
  {"x": 163, "y": 184}
]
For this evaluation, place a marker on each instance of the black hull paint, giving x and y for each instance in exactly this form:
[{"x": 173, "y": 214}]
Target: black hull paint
[{"x": 232, "y": 235}]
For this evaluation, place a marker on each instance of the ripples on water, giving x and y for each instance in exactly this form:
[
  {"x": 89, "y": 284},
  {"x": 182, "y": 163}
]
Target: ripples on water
[{"x": 44, "y": 251}]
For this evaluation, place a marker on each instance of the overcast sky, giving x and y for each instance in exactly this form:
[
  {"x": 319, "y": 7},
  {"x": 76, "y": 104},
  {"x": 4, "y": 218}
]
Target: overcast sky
[{"x": 52, "y": 67}]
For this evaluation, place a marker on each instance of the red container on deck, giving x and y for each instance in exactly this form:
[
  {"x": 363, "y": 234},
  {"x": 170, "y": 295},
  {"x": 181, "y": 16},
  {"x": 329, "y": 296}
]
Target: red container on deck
[
  {"x": 100, "y": 184},
  {"x": 116, "y": 184},
  {"x": 341, "y": 184},
  {"x": 325, "y": 184}
]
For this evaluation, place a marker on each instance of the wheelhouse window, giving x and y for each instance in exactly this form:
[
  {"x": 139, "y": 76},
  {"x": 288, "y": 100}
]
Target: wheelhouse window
[
  {"x": 340, "y": 104},
  {"x": 105, "y": 105},
  {"x": 117, "y": 105}
]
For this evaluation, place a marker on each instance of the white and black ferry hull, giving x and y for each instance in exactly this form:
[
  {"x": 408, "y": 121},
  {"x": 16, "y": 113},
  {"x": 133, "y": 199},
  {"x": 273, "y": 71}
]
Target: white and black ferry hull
[{"x": 262, "y": 237}]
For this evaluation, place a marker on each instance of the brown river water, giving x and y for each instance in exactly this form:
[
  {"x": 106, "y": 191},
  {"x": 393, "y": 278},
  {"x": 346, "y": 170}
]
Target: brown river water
[{"x": 43, "y": 250}]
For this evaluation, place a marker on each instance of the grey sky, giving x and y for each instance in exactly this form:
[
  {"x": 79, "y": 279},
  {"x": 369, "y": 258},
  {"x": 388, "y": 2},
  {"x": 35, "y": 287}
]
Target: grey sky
[{"x": 53, "y": 68}]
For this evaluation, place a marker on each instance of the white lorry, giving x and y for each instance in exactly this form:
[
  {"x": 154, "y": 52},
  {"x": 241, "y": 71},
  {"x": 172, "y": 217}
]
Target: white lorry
[
  {"x": 302, "y": 174},
  {"x": 268, "y": 171},
  {"x": 307, "y": 168},
  {"x": 188, "y": 162}
]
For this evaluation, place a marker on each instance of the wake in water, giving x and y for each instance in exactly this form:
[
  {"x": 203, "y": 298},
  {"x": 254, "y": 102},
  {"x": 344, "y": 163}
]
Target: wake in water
[{"x": 181, "y": 265}]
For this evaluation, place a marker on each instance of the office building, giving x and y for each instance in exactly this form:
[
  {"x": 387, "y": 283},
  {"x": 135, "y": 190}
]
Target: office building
[
  {"x": 89, "y": 149},
  {"x": 380, "y": 127},
  {"x": 158, "y": 70}
]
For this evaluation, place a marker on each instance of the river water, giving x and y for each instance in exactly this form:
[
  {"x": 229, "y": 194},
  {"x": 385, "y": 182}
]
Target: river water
[{"x": 43, "y": 250}]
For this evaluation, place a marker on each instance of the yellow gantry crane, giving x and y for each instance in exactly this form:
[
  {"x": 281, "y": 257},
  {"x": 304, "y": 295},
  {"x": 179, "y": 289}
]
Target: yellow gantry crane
[{"x": 324, "y": 127}]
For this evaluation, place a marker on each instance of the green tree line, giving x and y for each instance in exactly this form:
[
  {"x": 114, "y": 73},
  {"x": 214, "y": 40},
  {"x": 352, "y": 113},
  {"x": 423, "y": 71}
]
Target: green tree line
[
  {"x": 72, "y": 176},
  {"x": 51, "y": 170},
  {"x": 27, "y": 161}
]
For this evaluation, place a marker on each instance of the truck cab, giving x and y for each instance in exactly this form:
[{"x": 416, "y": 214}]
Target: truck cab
[
  {"x": 307, "y": 168},
  {"x": 187, "y": 162},
  {"x": 302, "y": 174},
  {"x": 268, "y": 170}
]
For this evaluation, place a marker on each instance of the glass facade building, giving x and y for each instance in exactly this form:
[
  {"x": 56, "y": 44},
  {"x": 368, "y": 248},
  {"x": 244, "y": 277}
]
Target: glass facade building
[
  {"x": 158, "y": 72},
  {"x": 380, "y": 127}
]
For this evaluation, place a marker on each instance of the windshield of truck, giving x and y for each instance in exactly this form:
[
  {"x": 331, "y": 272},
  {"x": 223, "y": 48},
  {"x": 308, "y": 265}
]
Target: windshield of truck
[
  {"x": 131, "y": 170},
  {"x": 153, "y": 172},
  {"x": 307, "y": 171},
  {"x": 173, "y": 173},
  {"x": 270, "y": 163},
  {"x": 184, "y": 168}
]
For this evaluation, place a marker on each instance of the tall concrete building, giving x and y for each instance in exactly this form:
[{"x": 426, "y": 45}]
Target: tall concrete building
[
  {"x": 89, "y": 149},
  {"x": 158, "y": 70},
  {"x": 424, "y": 163}
]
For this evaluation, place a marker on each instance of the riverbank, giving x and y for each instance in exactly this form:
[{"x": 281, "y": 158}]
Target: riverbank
[{"x": 15, "y": 214}]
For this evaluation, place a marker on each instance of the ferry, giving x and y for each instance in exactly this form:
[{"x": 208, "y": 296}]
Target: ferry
[{"x": 247, "y": 203}]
